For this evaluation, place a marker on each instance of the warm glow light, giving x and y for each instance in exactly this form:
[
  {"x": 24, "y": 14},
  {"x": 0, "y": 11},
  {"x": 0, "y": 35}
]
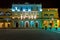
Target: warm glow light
[
  {"x": 1, "y": 25},
  {"x": 58, "y": 23},
  {"x": 21, "y": 16},
  {"x": 57, "y": 20},
  {"x": 13, "y": 17},
  {"x": 48, "y": 9},
  {"x": 50, "y": 21},
  {"x": 32, "y": 16},
  {"x": 35, "y": 17},
  {"x": 8, "y": 23}
]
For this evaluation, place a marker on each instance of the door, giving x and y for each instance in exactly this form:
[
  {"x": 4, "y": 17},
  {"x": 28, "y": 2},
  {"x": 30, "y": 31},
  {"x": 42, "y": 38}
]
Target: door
[
  {"x": 16, "y": 24},
  {"x": 36, "y": 24},
  {"x": 26, "y": 24}
]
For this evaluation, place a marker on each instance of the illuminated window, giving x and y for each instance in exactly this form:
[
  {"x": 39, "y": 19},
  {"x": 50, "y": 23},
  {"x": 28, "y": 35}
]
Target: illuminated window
[
  {"x": 1, "y": 25},
  {"x": 29, "y": 9},
  {"x": 15, "y": 8},
  {"x": 24, "y": 10},
  {"x": 44, "y": 22},
  {"x": 18, "y": 10},
  {"x": 34, "y": 16},
  {"x": 31, "y": 16}
]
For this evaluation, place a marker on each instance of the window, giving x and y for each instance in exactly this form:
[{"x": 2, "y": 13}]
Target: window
[
  {"x": 45, "y": 14},
  {"x": 8, "y": 13},
  {"x": 1, "y": 13},
  {"x": 51, "y": 14}
]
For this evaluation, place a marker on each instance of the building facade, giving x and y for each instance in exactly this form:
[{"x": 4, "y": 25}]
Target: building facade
[
  {"x": 50, "y": 17},
  {"x": 29, "y": 16},
  {"x": 5, "y": 18}
]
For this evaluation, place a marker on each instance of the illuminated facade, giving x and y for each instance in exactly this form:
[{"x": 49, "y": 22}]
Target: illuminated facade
[
  {"x": 50, "y": 17},
  {"x": 5, "y": 18},
  {"x": 29, "y": 16}
]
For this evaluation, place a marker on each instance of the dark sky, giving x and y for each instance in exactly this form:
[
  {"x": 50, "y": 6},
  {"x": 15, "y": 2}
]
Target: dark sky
[{"x": 45, "y": 3}]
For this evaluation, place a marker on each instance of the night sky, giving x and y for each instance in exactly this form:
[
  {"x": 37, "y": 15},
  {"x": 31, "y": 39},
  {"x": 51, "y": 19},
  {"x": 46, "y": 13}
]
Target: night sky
[{"x": 45, "y": 3}]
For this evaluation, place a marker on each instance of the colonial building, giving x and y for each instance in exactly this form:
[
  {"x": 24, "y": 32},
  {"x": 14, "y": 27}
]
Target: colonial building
[
  {"x": 28, "y": 16},
  {"x": 5, "y": 18},
  {"x": 50, "y": 17}
]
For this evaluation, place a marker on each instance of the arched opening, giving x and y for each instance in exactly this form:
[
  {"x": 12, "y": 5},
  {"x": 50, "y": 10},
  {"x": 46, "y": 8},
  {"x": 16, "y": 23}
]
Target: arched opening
[
  {"x": 16, "y": 24},
  {"x": 36, "y": 24},
  {"x": 7, "y": 24},
  {"x": 21, "y": 24},
  {"x": 32, "y": 24},
  {"x": 1, "y": 25},
  {"x": 26, "y": 24}
]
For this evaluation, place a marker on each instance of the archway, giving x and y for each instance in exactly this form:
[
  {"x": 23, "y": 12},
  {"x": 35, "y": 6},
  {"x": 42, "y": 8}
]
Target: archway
[
  {"x": 26, "y": 24},
  {"x": 36, "y": 24},
  {"x": 16, "y": 24}
]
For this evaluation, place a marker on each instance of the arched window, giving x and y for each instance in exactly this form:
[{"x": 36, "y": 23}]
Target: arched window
[
  {"x": 45, "y": 15},
  {"x": 8, "y": 13}
]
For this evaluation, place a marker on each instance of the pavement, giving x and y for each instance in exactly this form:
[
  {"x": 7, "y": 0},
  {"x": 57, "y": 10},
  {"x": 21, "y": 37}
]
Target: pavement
[{"x": 28, "y": 34}]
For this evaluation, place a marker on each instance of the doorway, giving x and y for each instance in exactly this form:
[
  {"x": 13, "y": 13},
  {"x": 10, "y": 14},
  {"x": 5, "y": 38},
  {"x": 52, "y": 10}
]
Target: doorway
[
  {"x": 16, "y": 24},
  {"x": 1, "y": 25},
  {"x": 36, "y": 24},
  {"x": 7, "y": 25},
  {"x": 26, "y": 24}
]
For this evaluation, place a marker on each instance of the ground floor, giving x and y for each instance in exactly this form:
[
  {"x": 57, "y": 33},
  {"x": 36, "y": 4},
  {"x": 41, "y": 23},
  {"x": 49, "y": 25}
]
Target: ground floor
[
  {"x": 5, "y": 24},
  {"x": 27, "y": 23},
  {"x": 39, "y": 23},
  {"x": 50, "y": 23}
]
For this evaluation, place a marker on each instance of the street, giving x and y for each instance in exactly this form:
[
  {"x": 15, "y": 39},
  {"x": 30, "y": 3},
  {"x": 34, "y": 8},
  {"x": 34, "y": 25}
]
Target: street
[{"x": 28, "y": 34}]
